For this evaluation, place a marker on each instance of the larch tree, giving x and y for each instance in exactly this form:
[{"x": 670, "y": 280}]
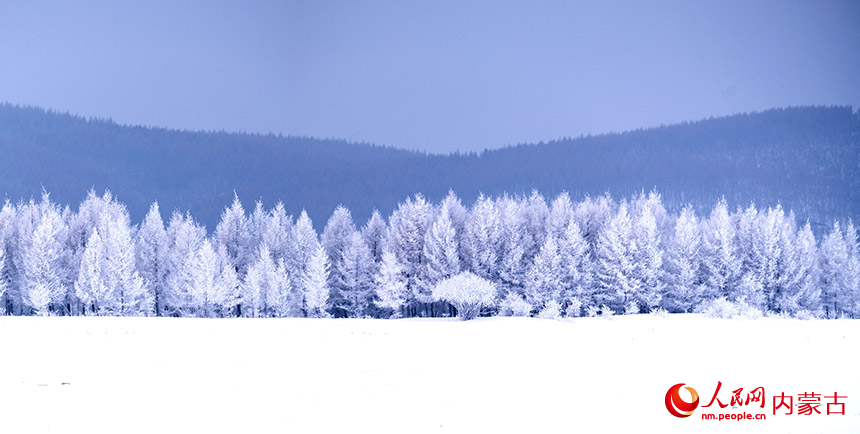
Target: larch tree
[
  {"x": 390, "y": 284},
  {"x": 151, "y": 256},
  {"x": 355, "y": 274},
  {"x": 683, "y": 263},
  {"x": 315, "y": 285},
  {"x": 233, "y": 234}
]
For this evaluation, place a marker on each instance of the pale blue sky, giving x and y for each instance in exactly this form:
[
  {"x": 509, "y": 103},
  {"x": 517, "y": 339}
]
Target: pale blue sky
[{"x": 432, "y": 75}]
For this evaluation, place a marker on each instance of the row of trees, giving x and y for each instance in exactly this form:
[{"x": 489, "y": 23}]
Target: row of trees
[{"x": 575, "y": 258}]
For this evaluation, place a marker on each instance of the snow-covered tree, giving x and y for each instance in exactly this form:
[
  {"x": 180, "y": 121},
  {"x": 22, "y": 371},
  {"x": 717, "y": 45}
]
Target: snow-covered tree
[
  {"x": 615, "y": 267},
  {"x": 467, "y": 292},
  {"x": 683, "y": 290},
  {"x": 204, "y": 273},
  {"x": 720, "y": 260},
  {"x": 648, "y": 256},
  {"x": 128, "y": 290},
  {"x": 184, "y": 238},
  {"x": 41, "y": 260},
  {"x": 545, "y": 279},
  {"x": 4, "y": 285},
  {"x": 834, "y": 280},
  {"x": 355, "y": 274},
  {"x": 375, "y": 234},
  {"x": 233, "y": 233},
  {"x": 390, "y": 284},
  {"x": 441, "y": 250},
  {"x": 408, "y": 228},
  {"x": 482, "y": 240},
  {"x": 576, "y": 265},
  {"x": 315, "y": 285},
  {"x": 151, "y": 256},
  {"x": 90, "y": 286},
  {"x": 335, "y": 237}
]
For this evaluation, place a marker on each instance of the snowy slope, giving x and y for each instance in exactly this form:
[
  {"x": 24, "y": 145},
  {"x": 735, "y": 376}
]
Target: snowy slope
[{"x": 79, "y": 374}]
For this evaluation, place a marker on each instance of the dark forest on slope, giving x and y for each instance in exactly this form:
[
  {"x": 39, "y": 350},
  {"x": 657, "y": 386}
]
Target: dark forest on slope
[{"x": 807, "y": 159}]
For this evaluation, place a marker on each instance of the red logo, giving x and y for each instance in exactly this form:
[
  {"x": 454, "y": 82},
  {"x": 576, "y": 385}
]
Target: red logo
[{"x": 676, "y": 405}]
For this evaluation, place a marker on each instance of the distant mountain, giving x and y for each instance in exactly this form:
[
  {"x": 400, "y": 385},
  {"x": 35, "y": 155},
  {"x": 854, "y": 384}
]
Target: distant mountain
[{"x": 806, "y": 158}]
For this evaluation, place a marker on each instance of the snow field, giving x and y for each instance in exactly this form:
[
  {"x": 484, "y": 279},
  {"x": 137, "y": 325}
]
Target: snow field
[{"x": 87, "y": 374}]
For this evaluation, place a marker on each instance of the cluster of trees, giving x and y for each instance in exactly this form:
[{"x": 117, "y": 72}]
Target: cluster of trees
[
  {"x": 806, "y": 157},
  {"x": 505, "y": 255}
]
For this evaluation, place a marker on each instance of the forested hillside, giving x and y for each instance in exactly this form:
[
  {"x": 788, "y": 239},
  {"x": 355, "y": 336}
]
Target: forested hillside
[{"x": 807, "y": 159}]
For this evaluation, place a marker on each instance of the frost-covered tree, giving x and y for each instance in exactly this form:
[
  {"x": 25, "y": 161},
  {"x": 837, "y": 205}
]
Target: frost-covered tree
[
  {"x": 4, "y": 285},
  {"x": 720, "y": 260},
  {"x": 90, "y": 286},
  {"x": 203, "y": 277},
  {"x": 545, "y": 279},
  {"x": 127, "y": 287},
  {"x": 267, "y": 290},
  {"x": 615, "y": 267},
  {"x": 390, "y": 284},
  {"x": 441, "y": 250},
  {"x": 648, "y": 257},
  {"x": 575, "y": 264},
  {"x": 315, "y": 285},
  {"x": 151, "y": 256},
  {"x": 184, "y": 238},
  {"x": 683, "y": 289},
  {"x": 375, "y": 234},
  {"x": 8, "y": 224},
  {"x": 335, "y": 237},
  {"x": 407, "y": 231},
  {"x": 833, "y": 261},
  {"x": 355, "y": 274},
  {"x": 467, "y": 292},
  {"x": 41, "y": 259},
  {"x": 307, "y": 243},
  {"x": 560, "y": 215},
  {"x": 483, "y": 237},
  {"x": 227, "y": 294},
  {"x": 233, "y": 234}
]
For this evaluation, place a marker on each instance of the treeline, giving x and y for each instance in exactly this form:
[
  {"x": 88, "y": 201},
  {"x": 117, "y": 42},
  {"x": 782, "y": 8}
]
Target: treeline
[
  {"x": 576, "y": 258},
  {"x": 805, "y": 157}
]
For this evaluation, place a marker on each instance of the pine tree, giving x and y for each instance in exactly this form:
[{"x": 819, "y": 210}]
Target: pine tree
[
  {"x": 3, "y": 283},
  {"x": 408, "y": 228},
  {"x": 483, "y": 238},
  {"x": 544, "y": 281},
  {"x": 227, "y": 294},
  {"x": 833, "y": 263},
  {"x": 233, "y": 234},
  {"x": 355, "y": 271},
  {"x": 315, "y": 285},
  {"x": 184, "y": 238},
  {"x": 390, "y": 282},
  {"x": 151, "y": 257},
  {"x": 128, "y": 293},
  {"x": 648, "y": 257},
  {"x": 90, "y": 286},
  {"x": 617, "y": 281},
  {"x": 203, "y": 280},
  {"x": 560, "y": 215},
  {"x": 335, "y": 237},
  {"x": 683, "y": 291},
  {"x": 8, "y": 222},
  {"x": 375, "y": 233},
  {"x": 41, "y": 265},
  {"x": 576, "y": 266},
  {"x": 720, "y": 260},
  {"x": 441, "y": 250}
]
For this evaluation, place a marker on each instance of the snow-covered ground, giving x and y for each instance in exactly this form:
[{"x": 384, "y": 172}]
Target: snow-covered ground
[{"x": 77, "y": 374}]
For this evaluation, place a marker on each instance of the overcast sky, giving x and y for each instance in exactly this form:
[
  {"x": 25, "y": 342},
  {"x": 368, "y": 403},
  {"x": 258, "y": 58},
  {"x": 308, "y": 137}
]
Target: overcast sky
[{"x": 431, "y": 75}]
